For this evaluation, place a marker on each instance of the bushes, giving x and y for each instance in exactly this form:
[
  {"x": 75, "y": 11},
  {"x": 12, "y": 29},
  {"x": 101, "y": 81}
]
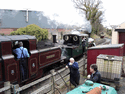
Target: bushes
[
  {"x": 109, "y": 32},
  {"x": 2, "y": 34},
  {"x": 39, "y": 33}
]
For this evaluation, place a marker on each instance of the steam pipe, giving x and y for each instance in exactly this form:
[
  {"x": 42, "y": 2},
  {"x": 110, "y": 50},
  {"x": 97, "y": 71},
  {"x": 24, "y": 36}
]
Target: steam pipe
[
  {"x": 27, "y": 16},
  {"x": 54, "y": 38}
]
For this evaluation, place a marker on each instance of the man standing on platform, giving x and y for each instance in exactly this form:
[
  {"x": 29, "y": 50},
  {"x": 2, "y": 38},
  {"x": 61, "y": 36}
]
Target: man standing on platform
[
  {"x": 22, "y": 55},
  {"x": 74, "y": 72}
]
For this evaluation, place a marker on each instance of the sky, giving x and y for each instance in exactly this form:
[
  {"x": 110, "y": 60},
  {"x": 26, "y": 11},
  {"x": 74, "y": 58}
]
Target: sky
[{"x": 63, "y": 11}]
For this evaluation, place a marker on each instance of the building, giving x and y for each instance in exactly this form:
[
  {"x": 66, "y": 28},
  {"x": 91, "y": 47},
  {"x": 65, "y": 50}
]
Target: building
[
  {"x": 115, "y": 34},
  {"x": 118, "y": 35},
  {"x": 11, "y": 20}
]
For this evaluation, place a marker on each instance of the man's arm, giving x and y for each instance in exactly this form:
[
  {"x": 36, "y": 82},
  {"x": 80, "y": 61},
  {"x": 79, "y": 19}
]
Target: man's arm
[
  {"x": 67, "y": 65},
  {"x": 27, "y": 54},
  {"x": 95, "y": 78}
]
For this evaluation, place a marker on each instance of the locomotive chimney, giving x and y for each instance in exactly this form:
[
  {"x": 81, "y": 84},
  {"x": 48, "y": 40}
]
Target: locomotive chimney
[
  {"x": 89, "y": 35},
  {"x": 54, "y": 38}
]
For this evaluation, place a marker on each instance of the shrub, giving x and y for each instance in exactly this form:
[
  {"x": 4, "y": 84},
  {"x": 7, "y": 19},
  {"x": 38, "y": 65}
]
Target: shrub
[
  {"x": 2, "y": 34},
  {"x": 109, "y": 32},
  {"x": 39, "y": 33}
]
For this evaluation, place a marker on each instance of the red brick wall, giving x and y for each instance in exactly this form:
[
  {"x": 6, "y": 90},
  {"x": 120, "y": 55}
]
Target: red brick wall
[
  {"x": 7, "y": 31},
  {"x": 59, "y": 30}
]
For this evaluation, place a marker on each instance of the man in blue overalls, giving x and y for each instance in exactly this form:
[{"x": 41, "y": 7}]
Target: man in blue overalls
[
  {"x": 22, "y": 55},
  {"x": 74, "y": 72}
]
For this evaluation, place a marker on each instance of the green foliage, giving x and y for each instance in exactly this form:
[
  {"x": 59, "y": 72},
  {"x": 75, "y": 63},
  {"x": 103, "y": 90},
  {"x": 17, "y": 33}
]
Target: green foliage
[
  {"x": 109, "y": 32},
  {"x": 2, "y": 34},
  {"x": 39, "y": 33},
  {"x": 93, "y": 13}
]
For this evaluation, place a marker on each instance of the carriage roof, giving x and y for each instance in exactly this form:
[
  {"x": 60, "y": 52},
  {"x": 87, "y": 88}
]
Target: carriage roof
[
  {"x": 107, "y": 46},
  {"x": 16, "y": 37}
]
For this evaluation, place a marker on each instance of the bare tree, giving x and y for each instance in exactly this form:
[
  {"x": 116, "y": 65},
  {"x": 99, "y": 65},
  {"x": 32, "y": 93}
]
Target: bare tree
[{"x": 92, "y": 11}]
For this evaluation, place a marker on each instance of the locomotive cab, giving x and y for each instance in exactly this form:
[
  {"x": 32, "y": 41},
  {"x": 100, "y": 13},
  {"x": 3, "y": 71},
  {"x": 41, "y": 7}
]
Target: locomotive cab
[
  {"x": 15, "y": 45},
  {"x": 73, "y": 44},
  {"x": 29, "y": 42},
  {"x": 9, "y": 66},
  {"x": 71, "y": 39}
]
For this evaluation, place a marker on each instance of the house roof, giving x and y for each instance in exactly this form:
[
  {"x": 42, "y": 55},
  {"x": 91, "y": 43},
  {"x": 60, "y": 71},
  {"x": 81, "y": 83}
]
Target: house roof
[{"x": 120, "y": 30}]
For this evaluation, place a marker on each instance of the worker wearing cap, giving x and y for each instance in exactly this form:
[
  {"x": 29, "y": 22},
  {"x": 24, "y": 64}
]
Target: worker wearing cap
[
  {"x": 95, "y": 76},
  {"x": 74, "y": 72},
  {"x": 22, "y": 55}
]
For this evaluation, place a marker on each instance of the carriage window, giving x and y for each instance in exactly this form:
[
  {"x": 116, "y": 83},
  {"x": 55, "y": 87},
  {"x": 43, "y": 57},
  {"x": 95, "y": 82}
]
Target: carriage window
[{"x": 25, "y": 44}]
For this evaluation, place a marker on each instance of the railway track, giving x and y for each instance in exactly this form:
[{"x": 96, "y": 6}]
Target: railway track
[{"x": 59, "y": 66}]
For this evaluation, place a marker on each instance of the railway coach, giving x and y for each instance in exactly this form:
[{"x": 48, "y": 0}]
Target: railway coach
[{"x": 38, "y": 61}]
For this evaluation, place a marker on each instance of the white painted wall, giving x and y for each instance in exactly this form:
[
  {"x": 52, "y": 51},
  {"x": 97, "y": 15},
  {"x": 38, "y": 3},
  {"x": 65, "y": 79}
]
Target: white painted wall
[
  {"x": 114, "y": 37},
  {"x": 115, "y": 34}
]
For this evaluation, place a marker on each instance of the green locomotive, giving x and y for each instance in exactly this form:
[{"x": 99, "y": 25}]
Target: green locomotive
[{"x": 75, "y": 44}]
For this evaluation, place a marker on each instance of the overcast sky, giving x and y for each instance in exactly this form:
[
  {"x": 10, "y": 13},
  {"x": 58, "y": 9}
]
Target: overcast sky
[{"x": 63, "y": 10}]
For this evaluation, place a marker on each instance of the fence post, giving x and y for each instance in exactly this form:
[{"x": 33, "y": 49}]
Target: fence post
[
  {"x": 14, "y": 89},
  {"x": 84, "y": 59},
  {"x": 53, "y": 81},
  {"x": 5, "y": 85}
]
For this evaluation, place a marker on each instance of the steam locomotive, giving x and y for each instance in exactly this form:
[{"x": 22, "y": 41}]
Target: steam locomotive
[
  {"x": 75, "y": 44},
  {"x": 39, "y": 58}
]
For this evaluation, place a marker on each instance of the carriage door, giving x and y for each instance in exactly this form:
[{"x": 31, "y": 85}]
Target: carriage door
[
  {"x": 122, "y": 40},
  {"x": 32, "y": 60}
]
